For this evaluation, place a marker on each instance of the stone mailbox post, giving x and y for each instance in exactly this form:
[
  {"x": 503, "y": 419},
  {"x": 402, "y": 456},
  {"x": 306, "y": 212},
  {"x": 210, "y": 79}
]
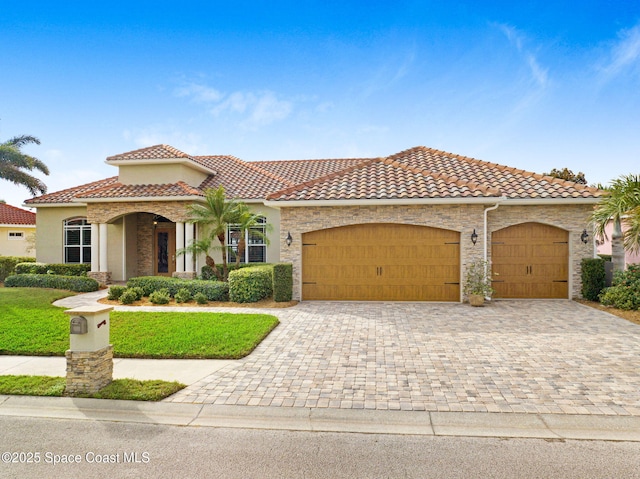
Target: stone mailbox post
[{"x": 90, "y": 356}]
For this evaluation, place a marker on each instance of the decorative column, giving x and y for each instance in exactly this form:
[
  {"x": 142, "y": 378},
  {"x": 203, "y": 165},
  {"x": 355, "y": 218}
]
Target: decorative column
[
  {"x": 99, "y": 269},
  {"x": 95, "y": 248},
  {"x": 189, "y": 256},
  {"x": 179, "y": 246}
]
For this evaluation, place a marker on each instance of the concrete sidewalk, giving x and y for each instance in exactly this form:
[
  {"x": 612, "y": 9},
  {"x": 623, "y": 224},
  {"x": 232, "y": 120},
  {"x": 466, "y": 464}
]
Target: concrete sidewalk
[{"x": 422, "y": 423}]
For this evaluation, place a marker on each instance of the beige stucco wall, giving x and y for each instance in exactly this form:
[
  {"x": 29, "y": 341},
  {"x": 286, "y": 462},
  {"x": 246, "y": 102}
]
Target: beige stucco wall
[
  {"x": 461, "y": 218},
  {"x": 19, "y": 246},
  {"x": 161, "y": 174},
  {"x": 49, "y": 231}
]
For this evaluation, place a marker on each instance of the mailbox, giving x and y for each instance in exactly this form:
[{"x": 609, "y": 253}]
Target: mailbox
[{"x": 78, "y": 325}]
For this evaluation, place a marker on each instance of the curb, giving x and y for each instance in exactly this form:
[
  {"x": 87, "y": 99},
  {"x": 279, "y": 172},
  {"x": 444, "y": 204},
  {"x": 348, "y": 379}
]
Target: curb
[{"x": 469, "y": 424}]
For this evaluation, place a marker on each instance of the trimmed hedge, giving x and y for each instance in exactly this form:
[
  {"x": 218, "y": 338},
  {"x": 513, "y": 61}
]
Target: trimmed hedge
[
  {"x": 282, "y": 282},
  {"x": 206, "y": 272},
  {"x": 593, "y": 278},
  {"x": 62, "y": 269},
  {"x": 213, "y": 290},
  {"x": 625, "y": 292},
  {"x": 251, "y": 284},
  {"x": 80, "y": 284},
  {"x": 8, "y": 264}
]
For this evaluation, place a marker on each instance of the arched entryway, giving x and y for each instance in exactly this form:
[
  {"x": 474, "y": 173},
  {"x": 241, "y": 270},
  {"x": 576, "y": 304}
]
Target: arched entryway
[
  {"x": 530, "y": 260},
  {"x": 381, "y": 262}
]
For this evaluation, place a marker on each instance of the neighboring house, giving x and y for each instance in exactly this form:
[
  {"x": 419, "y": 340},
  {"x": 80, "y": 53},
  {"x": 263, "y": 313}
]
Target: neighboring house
[
  {"x": 17, "y": 227},
  {"x": 396, "y": 228},
  {"x": 604, "y": 247}
]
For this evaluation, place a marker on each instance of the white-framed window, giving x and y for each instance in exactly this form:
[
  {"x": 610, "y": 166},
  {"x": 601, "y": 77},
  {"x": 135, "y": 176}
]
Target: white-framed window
[
  {"x": 77, "y": 241},
  {"x": 255, "y": 248},
  {"x": 16, "y": 235}
]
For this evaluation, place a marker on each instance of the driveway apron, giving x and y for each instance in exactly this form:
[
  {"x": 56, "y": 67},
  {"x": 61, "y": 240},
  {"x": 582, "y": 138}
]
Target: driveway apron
[{"x": 509, "y": 356}]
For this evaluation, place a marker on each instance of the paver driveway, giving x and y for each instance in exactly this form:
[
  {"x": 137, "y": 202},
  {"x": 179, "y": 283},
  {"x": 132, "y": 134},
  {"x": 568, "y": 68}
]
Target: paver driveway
[{"x": 510, "y": 356}]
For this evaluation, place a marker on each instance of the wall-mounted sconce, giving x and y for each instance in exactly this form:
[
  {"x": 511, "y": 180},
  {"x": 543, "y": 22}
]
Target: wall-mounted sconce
[
  {"x": 584, "y": 237},
  {"x": 474, "y": 236},
  {"x": 289, "y": 239}
]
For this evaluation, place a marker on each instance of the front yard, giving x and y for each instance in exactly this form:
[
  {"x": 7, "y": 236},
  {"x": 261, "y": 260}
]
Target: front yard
[{"x": 30, "y": 325}]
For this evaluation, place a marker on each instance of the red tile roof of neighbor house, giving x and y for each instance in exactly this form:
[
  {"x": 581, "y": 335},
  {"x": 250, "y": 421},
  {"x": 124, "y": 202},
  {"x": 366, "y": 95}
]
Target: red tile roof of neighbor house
[
  {"x": 418, "y": 172},
  {"x": 11, "y": 215}
]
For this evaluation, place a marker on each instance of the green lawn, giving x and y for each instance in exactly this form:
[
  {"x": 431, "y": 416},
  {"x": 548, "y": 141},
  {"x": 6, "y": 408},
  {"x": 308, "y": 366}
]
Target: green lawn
[{"x": 30, "y": 325}]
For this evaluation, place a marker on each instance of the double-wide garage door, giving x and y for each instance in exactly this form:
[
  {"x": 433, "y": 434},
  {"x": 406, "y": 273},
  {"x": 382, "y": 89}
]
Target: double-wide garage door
[
  {"x": 381, "y": 262},
  {"x": 530, "y": 260}
]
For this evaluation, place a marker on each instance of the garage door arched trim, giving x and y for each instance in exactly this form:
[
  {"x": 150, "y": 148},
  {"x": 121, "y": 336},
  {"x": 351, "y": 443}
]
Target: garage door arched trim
[{"x": 381, "y": 262}]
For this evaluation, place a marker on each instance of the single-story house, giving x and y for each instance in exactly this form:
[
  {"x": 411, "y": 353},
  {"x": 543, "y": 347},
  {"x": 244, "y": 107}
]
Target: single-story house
[
  {"x": 17, "y": 226},
  {"x": 401, "y": 227}
]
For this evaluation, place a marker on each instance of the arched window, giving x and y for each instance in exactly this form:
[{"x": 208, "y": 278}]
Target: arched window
[
  {"x": 77, "y": 241},
  {"x": 255, "y": 249}
]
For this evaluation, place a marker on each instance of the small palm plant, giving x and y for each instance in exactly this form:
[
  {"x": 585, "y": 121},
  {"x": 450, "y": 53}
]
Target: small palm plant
[{"x": 477, "y": 284}]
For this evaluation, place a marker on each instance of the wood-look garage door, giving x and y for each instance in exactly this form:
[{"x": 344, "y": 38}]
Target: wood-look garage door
[
  {"x": 530, "y": 260},
  {"x": 381, "y": 262}
]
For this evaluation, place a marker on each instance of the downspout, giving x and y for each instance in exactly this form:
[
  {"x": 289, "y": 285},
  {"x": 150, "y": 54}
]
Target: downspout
[{"x": 486, "y": 235}]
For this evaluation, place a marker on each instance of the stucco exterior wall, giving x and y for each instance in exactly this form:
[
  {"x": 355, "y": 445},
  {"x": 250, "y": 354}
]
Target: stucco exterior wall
[
  {"x": 50, "y": 236},
  {"x": 161, "y": 174},
  {"x": 11, "y": 246}
]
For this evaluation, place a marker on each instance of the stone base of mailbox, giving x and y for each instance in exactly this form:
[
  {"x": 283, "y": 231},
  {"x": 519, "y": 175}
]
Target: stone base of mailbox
[{"x": 89, "y": 371}]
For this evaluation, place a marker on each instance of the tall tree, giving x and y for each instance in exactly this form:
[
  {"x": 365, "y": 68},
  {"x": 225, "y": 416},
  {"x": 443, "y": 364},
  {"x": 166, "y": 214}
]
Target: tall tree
[
  {"x": 567, "y": 174},
  {"x": 214, "y": 215},
  {"x": 620, "y": 205},
  {"x": 13, "y": 163}
]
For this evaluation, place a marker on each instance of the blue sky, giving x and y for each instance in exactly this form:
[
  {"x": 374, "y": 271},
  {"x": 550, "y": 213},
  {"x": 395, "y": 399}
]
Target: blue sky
[{"x": 534, "y": 85}]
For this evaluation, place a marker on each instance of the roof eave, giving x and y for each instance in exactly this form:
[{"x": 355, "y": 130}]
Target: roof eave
[
  {"x": 16, "y": 225},
  {"x": 386, "y": 202},
  {"x": 163, "y": 161},
  {"x": 57, "y": 205},
  {"x": 135, "y": 198},
  {"x": 551, "y": 201}
]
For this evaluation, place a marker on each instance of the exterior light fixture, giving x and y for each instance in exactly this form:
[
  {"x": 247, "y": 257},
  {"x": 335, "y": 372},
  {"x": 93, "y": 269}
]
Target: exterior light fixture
[
  {"x": 474, "y": 236},
  {"x": 584, "y": 237},
  {"x": 289, "y": 239}
]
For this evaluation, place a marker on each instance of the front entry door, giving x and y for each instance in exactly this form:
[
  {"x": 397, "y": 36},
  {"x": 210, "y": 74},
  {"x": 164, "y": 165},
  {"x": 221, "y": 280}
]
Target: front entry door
[{"x": 164, "y": 251}]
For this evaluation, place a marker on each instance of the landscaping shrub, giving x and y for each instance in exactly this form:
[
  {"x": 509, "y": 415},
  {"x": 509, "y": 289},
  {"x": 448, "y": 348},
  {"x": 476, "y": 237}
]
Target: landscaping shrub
[
  {"x": 160, "y": 296},
  {"x": 71, "y": 269},
  {"x": 200, "y": 298},
  {"x": 213, "y": 290},
  {"x": 128, "y": 297},
  {"x": 8, "y": 264},
  {"x": 282, "y": 282},
  {"x": 251, "y": 284},
  {"x": 115, "y": 292},
  {"x": 593, "y": 278},
  {"x": 138, "y": 292},
  {"x": 206, "y": 272},
  {"x": 625, "y": 292},
  {"x": 79, "y": 284},
  {"x": 183, "y": 295}
]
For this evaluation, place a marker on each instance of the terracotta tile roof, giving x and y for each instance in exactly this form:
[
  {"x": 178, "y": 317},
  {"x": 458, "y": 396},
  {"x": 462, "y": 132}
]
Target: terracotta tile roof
[
  {"x": 118, "y": 190},
  {"x": 157, "y": 152},
  {"x": 10, "y": 215},
  {"x": 418, "y": 172},
  {"x": 299, "y": 171},
  {"x": 241, "y": 179},
  {"x": 511, "y": 182},
  {"x": 67, "y": 196},
  {"x": 384, "y": 178}
]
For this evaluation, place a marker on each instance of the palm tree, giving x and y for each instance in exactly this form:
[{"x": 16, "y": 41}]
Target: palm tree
[
  {"x": 248, "y": 222},
  {"x": 215, "y": 214},
  {"x": 621, "y": 204},
  {"x": 13, "y": 162}
]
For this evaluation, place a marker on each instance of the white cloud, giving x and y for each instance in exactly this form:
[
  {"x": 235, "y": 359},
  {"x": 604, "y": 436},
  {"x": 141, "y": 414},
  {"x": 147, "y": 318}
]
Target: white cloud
[
  {"x": 190, "y": 143},
  {"x": 539, "y": 74},
  {"x": 624, "y": 54},
  {"x": 257, "y": 108}
]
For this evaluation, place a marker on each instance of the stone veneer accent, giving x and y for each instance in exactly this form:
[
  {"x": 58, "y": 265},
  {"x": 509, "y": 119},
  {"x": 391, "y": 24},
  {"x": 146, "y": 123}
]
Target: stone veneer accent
[
  {"x": 462, "y": 218},
  {"x": 144, "y": 247},
  {"x": 175, "y": 211},
  {"x": 102, "y": 277},
  {"x": 89, "y": 371}
]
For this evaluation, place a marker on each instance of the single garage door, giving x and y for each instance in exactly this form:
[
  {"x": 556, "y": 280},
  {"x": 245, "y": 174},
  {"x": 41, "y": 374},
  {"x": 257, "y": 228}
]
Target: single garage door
[
  {"x": 530, "y": 260},
  {"x": 381, "y": 262}
]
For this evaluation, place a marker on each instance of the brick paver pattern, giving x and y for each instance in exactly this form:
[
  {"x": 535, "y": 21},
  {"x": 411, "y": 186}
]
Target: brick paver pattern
[{"x": 510, "y": 356}]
